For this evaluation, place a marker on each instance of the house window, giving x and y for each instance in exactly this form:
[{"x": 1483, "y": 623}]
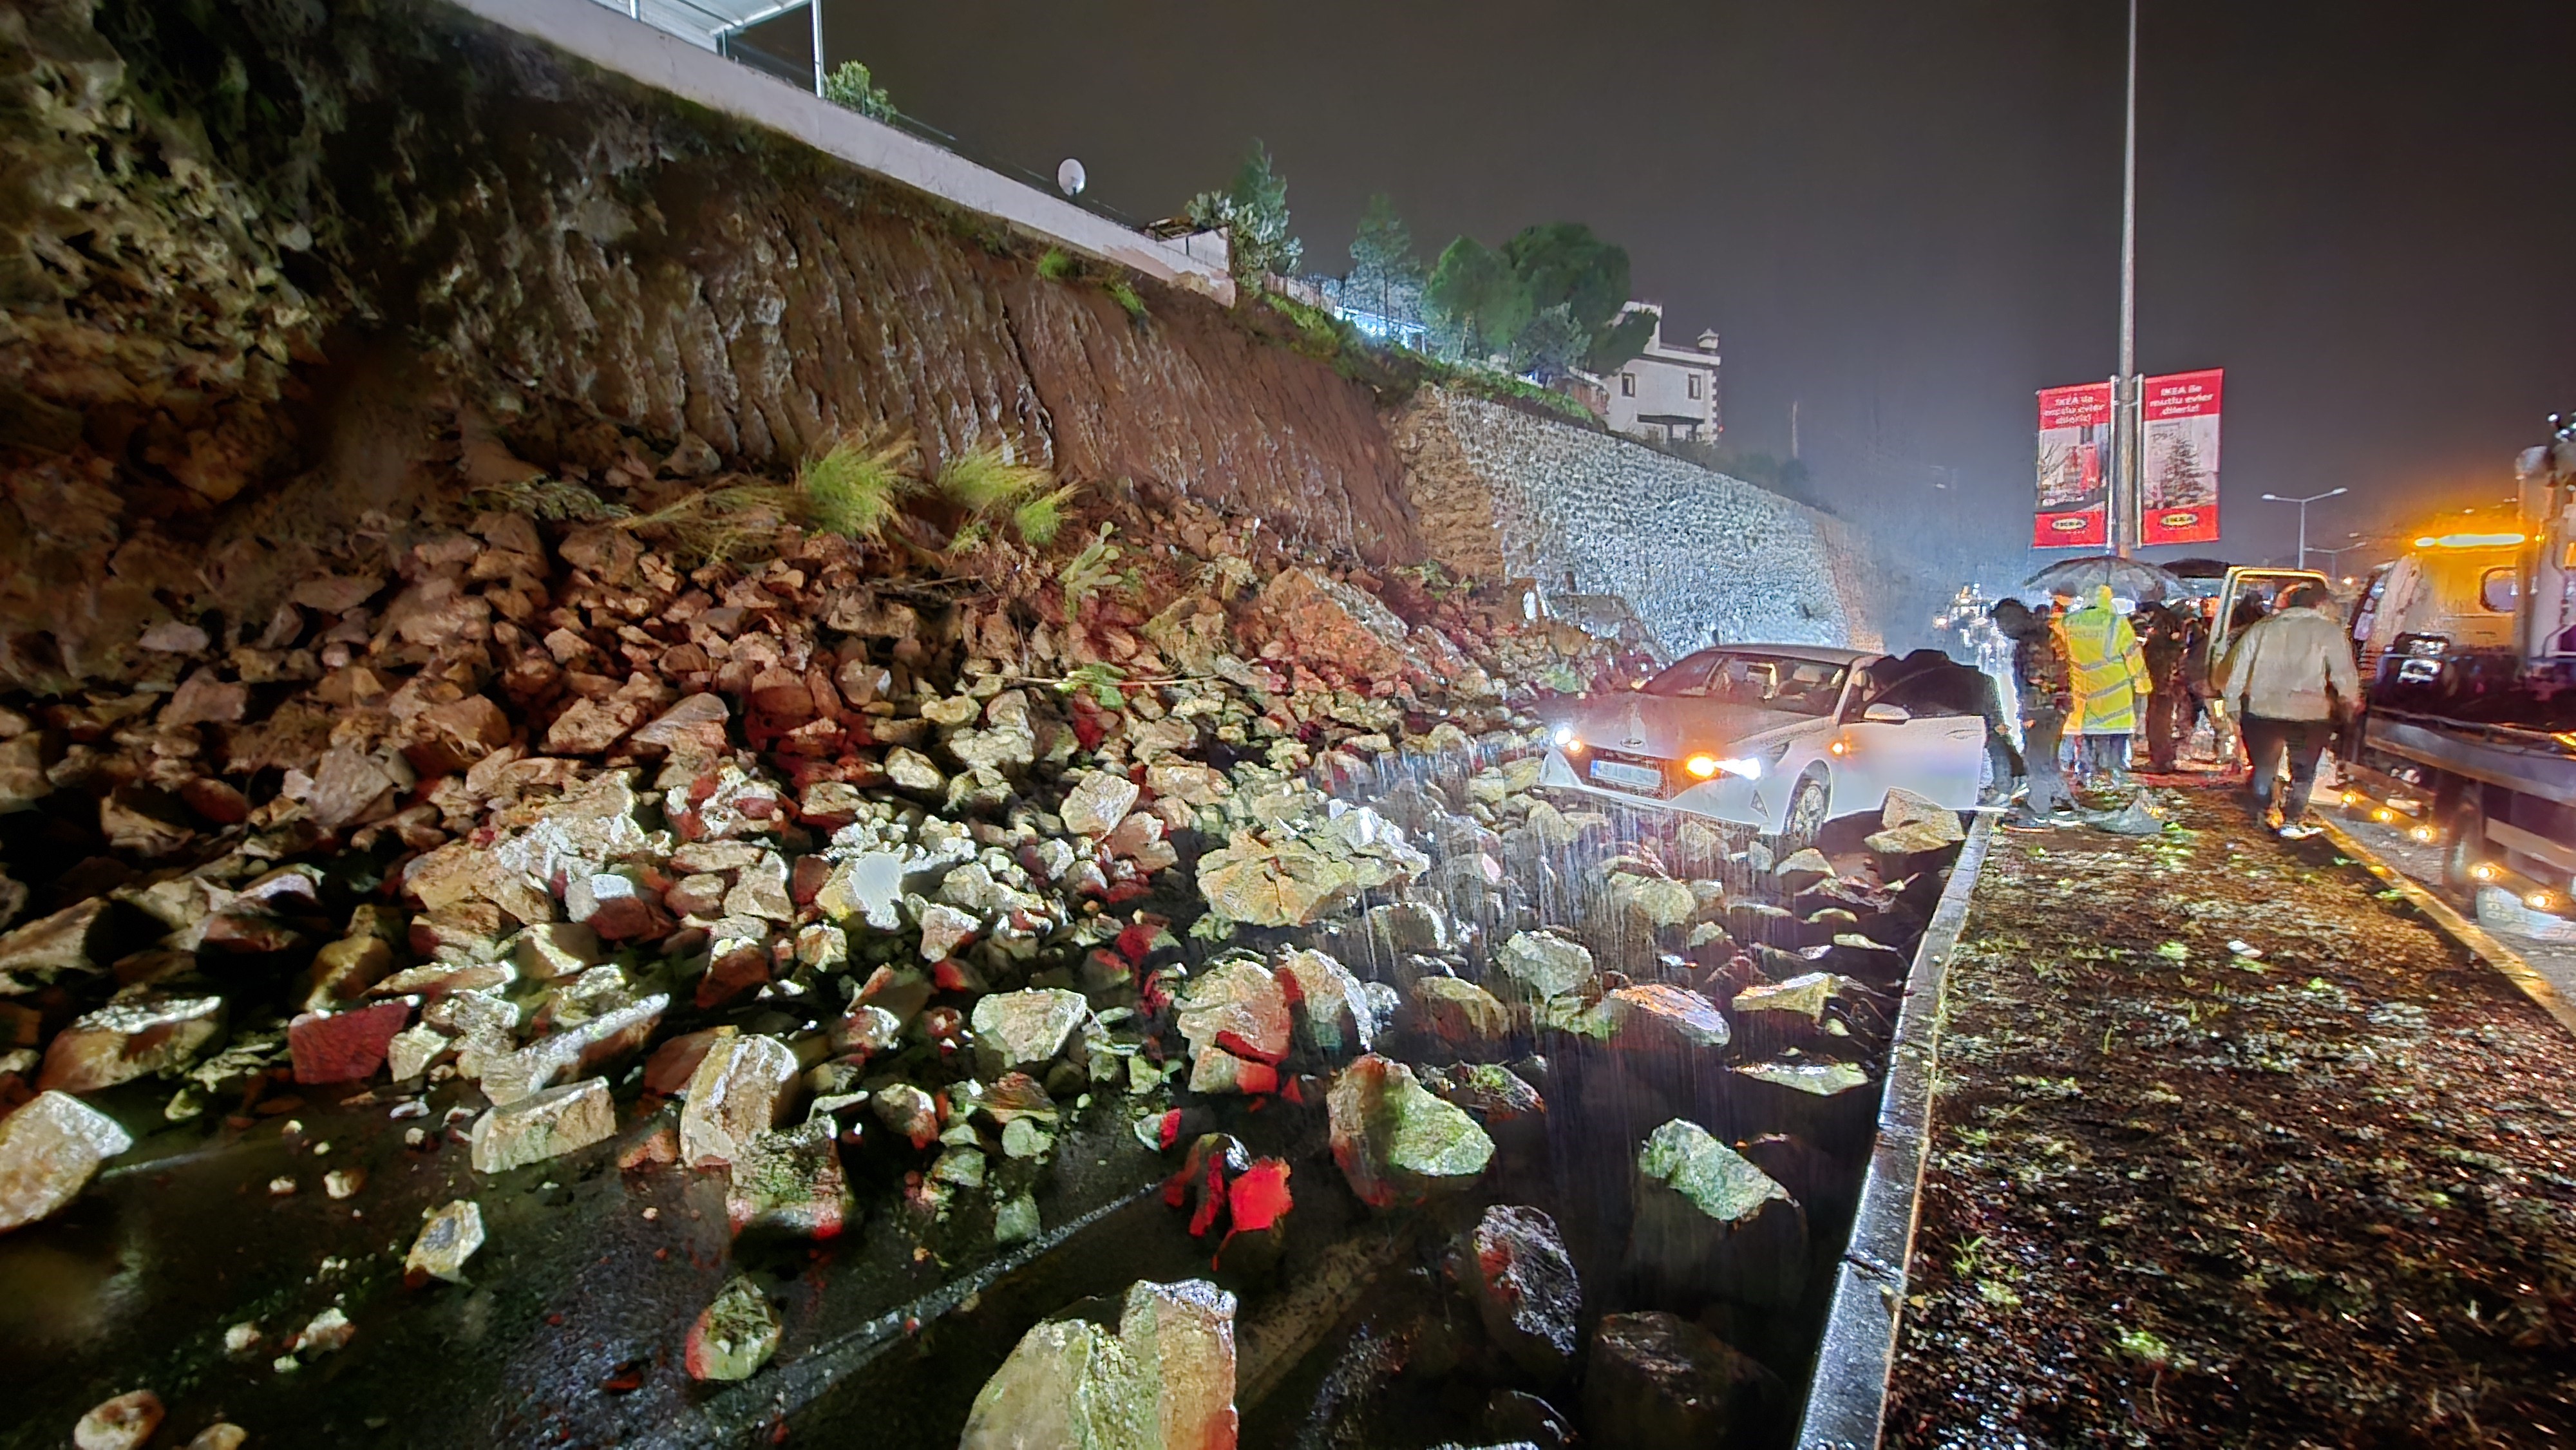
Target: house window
[
  {"x": 1694, "y": 385},
  {"x": 1627, "y": 385}
]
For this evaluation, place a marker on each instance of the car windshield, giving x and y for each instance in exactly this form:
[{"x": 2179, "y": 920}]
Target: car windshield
[{"x": 1764, "y": 682}]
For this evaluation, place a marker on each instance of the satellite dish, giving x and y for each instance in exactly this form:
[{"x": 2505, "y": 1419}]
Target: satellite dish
[{"x": 1069, "y": 177}]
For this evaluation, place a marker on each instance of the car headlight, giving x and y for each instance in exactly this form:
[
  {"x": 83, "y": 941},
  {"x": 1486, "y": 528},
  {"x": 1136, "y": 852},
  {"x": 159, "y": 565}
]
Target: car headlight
[
  {"x": 1567, "y": 741},
  {"x": 1701, "y": 766},
  {"x": 1704, "y": 766},
  {"x": 1745, "y": 766}
]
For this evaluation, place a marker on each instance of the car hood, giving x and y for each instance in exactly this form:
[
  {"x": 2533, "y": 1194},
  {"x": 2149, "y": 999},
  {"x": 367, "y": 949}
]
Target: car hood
[{"x": 1661, "y": 726}]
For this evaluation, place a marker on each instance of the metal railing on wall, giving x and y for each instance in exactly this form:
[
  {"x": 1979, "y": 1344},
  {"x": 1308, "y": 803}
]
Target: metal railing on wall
[{"x": 717, "y": 31}]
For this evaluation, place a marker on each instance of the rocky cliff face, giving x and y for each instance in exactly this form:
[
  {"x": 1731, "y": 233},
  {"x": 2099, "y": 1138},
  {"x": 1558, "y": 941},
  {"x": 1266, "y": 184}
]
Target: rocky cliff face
[
  {"x": 274, "y": 278},
  {"x": 1505, "y": 495}
]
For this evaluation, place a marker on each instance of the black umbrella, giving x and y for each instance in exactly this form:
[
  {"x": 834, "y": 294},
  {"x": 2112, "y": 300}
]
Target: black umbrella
[{"x": 2129, "y": 578}]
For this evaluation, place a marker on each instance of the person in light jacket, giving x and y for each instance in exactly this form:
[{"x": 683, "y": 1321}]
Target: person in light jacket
[{"x": 2284, "y": 678}]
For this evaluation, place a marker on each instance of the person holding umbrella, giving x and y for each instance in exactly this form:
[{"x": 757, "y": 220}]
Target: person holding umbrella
[{"x": 2110, "y": 675}]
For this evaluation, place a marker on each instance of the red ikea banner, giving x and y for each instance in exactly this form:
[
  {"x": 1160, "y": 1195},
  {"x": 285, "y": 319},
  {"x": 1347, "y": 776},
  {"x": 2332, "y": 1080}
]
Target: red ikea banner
[
  {"x": 2178, "y": 487},
  {"x": 2074, "y": 473}
]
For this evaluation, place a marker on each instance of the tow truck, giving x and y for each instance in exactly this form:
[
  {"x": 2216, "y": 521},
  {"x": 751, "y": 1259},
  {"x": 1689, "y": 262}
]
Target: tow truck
[{"x": 2467, "y": 648}]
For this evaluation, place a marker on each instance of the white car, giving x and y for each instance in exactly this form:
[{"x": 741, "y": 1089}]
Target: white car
[{"x": 1781, "y": 738}]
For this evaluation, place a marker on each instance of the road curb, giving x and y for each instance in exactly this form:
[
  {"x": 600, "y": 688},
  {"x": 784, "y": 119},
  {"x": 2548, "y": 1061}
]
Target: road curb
[
  {"x": 1847, "y": 1397},
  {"x": 2470, "y": 936}
]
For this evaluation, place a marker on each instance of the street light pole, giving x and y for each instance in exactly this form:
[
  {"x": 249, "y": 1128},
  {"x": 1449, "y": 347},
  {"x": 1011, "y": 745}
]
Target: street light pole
[
  {"x": 2124, "y": 465},
  {"x": 2303, "y": 515}
]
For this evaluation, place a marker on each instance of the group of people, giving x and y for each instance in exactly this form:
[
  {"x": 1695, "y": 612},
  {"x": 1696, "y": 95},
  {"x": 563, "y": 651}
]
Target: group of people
[{"x": 2084, "y": 672}]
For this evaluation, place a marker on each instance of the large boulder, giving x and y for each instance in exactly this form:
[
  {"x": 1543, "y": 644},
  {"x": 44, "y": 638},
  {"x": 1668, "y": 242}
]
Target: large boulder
[
  {"x": 48, "y": 1151},
  {"x": 1654, "y": 1381},
  {"x": 790, "y": 1181},
  {"x": 1710, "y": 1223},
  {"x": 129, "y": 1040},
  {"x": 546, "y": 1125},
  {"x": 1396, "y": 1142},
  {"x": 1289, "y": 882},
  {"x": 1236, "y": 1019},
  {"x": 743, "y": 1087},
  {"x": 1329, "y": 1001},
  {"x": 1163, "y": 1381},
  {"x": 1546, "y": 965},
  {"x": 1514, "y": 1266}
]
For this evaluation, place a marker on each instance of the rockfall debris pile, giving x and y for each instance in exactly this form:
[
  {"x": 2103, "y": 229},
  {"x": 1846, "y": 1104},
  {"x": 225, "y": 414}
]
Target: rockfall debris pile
[{"x": 549, "y": 831}]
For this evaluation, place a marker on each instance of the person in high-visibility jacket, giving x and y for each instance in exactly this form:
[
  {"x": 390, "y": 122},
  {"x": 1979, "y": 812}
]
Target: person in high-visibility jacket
[{"x": 2110, "y": 677}]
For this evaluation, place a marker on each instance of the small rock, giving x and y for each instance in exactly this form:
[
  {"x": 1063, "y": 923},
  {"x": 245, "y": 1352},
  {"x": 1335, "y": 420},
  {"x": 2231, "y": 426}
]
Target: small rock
[
  {"x": 944, "y": 929},
  {"x": 1028, "y": 1027},
  {"x": 1408, "y": 926},
  {"x": 735, "y": 1335},
  {"x": 911, "y": 770},
  {"x": 1016, "y": 1221},
  {"x": 1395, "y": 1141},
  {"x": 69, "y": 942},
  {"x": 908, "y": 1111},
  {"x": 219, "y": 1436},
  {"x": 1098, "y": 804},
  {"x": 762, "y": 890},
  {"x": 546, "y": 1125},
  {"x": 328, "y": 1332},
  {"x": 447, "y": 1240},
  {"x": 412, "y": 1051},
  {"x": 48, "y": 1150},
  {"x": 127, "y": 1421}
]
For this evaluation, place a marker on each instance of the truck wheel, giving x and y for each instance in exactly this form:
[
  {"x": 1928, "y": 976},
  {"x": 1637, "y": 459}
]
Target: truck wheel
[{"x": 2465, "y": 848}]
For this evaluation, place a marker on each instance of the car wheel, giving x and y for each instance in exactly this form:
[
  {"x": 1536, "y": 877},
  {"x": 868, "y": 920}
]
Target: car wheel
[{"x": 1806, "y": 818}]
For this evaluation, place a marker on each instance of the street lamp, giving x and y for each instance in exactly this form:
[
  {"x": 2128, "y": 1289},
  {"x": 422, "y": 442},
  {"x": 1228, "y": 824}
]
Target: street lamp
[
  {"x": 2334, "y": 556},
  {"x": 2303, "y": 515}
]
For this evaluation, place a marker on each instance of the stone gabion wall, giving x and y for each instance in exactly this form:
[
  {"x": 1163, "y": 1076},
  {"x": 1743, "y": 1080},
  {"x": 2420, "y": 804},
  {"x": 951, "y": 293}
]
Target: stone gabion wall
[{"x": 1503, "y": 494}]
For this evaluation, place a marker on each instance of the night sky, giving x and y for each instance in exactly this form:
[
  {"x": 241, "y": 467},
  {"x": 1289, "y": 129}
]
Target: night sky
[{"x": 1904, "y": 217}]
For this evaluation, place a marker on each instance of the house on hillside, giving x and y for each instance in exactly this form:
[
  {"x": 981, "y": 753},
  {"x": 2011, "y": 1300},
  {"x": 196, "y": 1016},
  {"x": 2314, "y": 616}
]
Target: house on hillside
[{"x": 1669, "y": 392}]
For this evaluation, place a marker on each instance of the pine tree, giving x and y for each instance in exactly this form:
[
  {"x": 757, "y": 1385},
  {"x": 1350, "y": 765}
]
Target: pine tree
[
  {"x": 1386, "y": 277},
  {"x": 1253, "y": 214}
]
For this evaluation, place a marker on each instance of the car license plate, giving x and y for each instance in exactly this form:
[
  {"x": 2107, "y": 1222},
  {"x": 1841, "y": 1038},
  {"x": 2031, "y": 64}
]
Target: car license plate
[{"x": 1625, "y": 776}]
